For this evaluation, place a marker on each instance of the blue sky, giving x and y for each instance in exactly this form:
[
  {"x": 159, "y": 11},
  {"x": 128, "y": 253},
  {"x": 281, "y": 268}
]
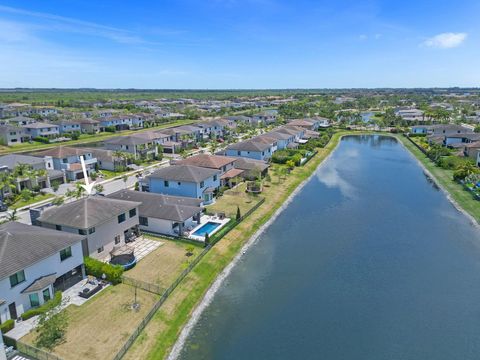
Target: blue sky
[{"x": 239, "y": 43}]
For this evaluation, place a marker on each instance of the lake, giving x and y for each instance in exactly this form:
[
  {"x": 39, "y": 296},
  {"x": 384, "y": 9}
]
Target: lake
[{"x": 369, "y": 261}]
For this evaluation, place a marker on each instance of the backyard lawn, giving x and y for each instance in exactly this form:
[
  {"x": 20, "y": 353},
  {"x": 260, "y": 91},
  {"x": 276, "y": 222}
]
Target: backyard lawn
[
  {"x": 163, "y": 265},
  {"x": 99, "y": 328},
  {"x": 232, "y": 198}
]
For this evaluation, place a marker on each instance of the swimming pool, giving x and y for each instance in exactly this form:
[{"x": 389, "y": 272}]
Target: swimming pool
[{"x": 206, "y": 228}]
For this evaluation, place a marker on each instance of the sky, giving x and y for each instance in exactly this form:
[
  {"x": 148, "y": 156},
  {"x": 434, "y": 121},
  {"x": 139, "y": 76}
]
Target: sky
[{"x": 239, "y": 44}]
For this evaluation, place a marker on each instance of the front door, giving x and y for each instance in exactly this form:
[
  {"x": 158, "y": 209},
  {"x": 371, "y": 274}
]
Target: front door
[{"x": 13, "y": 311}]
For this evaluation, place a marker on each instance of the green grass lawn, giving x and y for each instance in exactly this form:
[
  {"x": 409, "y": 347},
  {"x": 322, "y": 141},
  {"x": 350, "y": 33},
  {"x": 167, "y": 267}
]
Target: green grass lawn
[
  {"x": 445, "y": 179},
  {"x": 33, "y": 200}
]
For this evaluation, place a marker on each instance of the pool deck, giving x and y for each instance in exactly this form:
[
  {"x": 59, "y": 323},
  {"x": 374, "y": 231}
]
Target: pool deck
[{"x": 205, "y": 219}]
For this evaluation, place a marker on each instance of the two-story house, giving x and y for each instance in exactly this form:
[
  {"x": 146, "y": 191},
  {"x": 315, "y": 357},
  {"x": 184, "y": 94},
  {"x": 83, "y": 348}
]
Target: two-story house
[
  {"x": 106, "y": 223},
  {"x": 42, "y": 130},
  {"x": 11, "y": 135},
  {"x": 224, "y": 164},
  {"x": 89, "y": 126},
  {"x": 163, "y": 214},
  {"x": 67, "y": 159},
  {"x": 68, "y": 126},
  {"x": 184, "y": 180},
  {"x": 34, "y": 263},
  {"x": 253, "y": 149},
  {"x": 141, "y": 145}
]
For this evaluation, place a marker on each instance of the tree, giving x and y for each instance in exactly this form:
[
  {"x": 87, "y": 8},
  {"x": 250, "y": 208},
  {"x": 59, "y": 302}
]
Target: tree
[
  {"x": 477, "y": 129},
  {"x": 464, "y": 170},
  {"x": 207, "y": 240},
  {"x": 290, "y": 164},
  {"x": 98, "y": 188},
  {"x": 55, "y": 185},
  {"x": 189, "y": 249},
  {"x": 51, "y": 328},
  {"x": 239, "y": 215}
]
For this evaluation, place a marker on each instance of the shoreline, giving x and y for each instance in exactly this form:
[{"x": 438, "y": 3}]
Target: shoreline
[
  {"x": 212, "y": 290},
  {"x": 447, "y": 194}
]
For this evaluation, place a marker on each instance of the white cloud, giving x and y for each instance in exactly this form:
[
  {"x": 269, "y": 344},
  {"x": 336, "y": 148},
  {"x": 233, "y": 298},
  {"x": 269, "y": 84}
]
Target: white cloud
[{"x": 445, "y": 40}]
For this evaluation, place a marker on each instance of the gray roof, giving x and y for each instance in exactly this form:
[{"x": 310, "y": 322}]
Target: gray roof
[
  {"x": 87, "y": 212},
  {"x": 9, "y": 128},
  {"x": 40, "y": 283},
  {"x": 250, "y": 145},
  {"x": 23, "y": 245},
  {"x": 187, "y": 173},
  {"x": 250, "y": 164},
  {"x": 158, "y": 206},
  {"x": 40, "y": 125},
  {"x": 130, "y": 140},
  {"x": 12, "y": 160},
  {"x": 20, "y": 119}
]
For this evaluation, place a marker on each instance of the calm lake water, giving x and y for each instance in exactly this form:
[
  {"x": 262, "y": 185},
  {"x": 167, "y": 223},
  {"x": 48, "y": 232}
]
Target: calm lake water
[{"x": 370, "y": 261}]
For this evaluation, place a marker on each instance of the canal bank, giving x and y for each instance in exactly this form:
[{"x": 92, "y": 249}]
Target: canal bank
[
  {"x": 162, "y": 332},
  {"x": 369, "y": 261}
]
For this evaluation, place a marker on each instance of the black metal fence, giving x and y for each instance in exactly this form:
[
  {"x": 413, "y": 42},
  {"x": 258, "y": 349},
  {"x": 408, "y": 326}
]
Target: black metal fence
[
  {"x": 214, "y": 239},
  {"x": 152, "y": 288}
]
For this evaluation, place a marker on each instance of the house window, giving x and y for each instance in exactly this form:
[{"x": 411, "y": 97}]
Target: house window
[
  {"x": 58, "y": 227},
  {"x": 82, "y": 232},
  {"x": 65, "y": 253},
  {"x": 132, "y": 212},
  {"x": 91, "y": 230},
  {"x": 179, "y": 183},
  {"x": 143, "y": 221},
  {"x": 46, "y": 295},
  {"x": 34, "y": 300},
  {"x": 121, "y": 218},
  {"x": 238, "y": 153},
  {"x": 165, "y": 183},
  {"x": 65, "y": 160},
  {"x": 17, "y": 278},
  {"x": 214, "y": 177},
  {"x": 100, "y": 249},
  {"x": 202, "y": 184},
  {"x": 117, "y": 239}
]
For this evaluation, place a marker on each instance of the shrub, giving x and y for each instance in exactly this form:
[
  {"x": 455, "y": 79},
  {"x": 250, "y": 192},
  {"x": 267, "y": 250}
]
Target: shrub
[
  {"x": 110, "y": 129},
  {"x": 450, "y": 162},
  {"x": 97, "y": 268},
  {"x": 50, "y": 304},
  {"x": 75, "y": 135},
  {"x": 7, "y": 326},
  {"x": 42, "y": 139}
]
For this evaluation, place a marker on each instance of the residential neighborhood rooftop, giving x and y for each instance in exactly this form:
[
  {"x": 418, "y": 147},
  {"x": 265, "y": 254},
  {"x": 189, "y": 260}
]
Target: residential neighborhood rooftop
[{"x": 187, "y": 173}]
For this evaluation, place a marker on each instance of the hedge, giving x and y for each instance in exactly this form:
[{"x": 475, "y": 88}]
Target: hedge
[
  {"x": 7, "y": 326},
  {"x": 50, "y": 304},
  {"x": 97, "y": 268}
]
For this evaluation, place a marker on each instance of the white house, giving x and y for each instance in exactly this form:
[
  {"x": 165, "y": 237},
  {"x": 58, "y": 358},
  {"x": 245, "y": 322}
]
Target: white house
[{"x": 34, "y": 263}]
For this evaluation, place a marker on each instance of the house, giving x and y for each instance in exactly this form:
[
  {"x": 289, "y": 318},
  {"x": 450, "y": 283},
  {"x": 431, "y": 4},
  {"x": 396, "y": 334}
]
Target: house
[
  {"x": 419, "y": 129},
  {"x": 68, "y": 126},
  {"x": 184, "y": 180},
  {"x": 106, "y": 159},
  {"x": 462, "y": 138},
  {"x": 254, "y": 149},
  {"x": 447, "y": 129},
  {"x": 266, "y": 117},
  {"x": 34, "y": 263},
  {"x": 11, "y": 161},
  {"x": 105, "y": 223},
  {"x": 412, "y": 115},
  {"x": 20, "y": 121},
  {"x": 11, "y": 135},
  {"x": 68, "y": 159},
  {"x": 239, "y": 119},
  {"x": 89, "y": 126},
  {"x": 122, "y": 122},
  {"x": 251, "y": 168},
  {"x": 283, "y": 139},
  {"x": 297, "y": 131},
  {"x": 141, "y": 145},
  {"x": 42, "y": 130},
  {"x": 223, "y": 164},
  {"x": 163, "y": 214}
]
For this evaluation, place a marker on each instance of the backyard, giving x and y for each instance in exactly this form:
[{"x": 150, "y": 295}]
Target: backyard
[
  {"x": 163, "y": 265},
  {"x": 98, "y": 328},
  {"x": 228, "y": 202}
]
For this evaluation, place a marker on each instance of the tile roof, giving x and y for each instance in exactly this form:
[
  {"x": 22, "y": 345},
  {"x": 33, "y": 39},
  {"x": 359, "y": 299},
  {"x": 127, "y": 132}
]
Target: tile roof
[
  {"x": 159, "y": 206},
  {"x": 63, "y": 151},
  {"x": 87, "y": 212},
  {"x": 187, "y": 173},
  {"x": 207, "y": 161},
  {"x": 23, "y": 245}
]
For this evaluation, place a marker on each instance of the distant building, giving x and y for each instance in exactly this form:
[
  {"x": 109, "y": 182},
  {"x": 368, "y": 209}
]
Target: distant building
[{"x": 42, "y": 130}]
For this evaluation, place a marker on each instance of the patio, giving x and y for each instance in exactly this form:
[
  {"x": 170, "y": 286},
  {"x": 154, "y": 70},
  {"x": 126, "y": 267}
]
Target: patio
[{"x": 205, "y": 219}]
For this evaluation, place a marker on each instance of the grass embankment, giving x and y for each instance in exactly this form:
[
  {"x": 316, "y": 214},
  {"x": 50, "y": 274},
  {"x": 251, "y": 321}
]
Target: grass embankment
[
  {"x": 85, "y": 139},
  {"x": 162, "y": 331},
  {"x": 445, "y": 178}
]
